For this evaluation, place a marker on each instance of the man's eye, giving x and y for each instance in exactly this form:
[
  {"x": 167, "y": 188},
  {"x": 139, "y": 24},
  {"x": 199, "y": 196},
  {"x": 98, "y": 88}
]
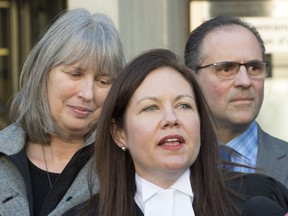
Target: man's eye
[
  {"x": 225, "y": 67},
  {"x": 255, "y": 67}
]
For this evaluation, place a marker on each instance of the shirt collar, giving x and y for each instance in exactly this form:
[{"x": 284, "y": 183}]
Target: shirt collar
[
  {"x": 146, "y": 189},
  {"x": 246, "y": 141}
]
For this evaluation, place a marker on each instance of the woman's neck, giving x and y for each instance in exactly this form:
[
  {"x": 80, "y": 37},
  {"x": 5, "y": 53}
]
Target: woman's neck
[{"x": 56, "y": 155}]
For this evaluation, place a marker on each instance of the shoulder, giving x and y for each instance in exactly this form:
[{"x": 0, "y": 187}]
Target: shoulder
[
  {"x": 12, "y": 139},
  {"x": 256, "y": 183},
  {"x": 264, "y": 137},
  {"x": 90, "y": 139},
  {"x": 13, "y": 195},
  {"x": 251, "y": 185}
]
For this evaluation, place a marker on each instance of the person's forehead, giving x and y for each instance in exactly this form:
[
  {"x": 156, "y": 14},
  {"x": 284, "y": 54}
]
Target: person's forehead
[
  {"x": 228, "y": 30},
  {"x": 233, "y": 41}
]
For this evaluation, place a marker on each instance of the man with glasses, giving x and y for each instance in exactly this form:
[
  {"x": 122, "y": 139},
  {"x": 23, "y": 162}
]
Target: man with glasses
[{"x": 228, "y": 56}]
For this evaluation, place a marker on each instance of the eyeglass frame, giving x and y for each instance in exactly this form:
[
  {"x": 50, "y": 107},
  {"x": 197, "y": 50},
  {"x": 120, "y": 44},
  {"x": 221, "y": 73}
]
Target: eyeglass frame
[{"x": 246, "y": 65}]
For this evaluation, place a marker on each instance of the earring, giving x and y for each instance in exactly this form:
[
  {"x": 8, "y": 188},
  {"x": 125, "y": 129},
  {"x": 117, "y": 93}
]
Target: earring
[{"x": 123, "y": 148}]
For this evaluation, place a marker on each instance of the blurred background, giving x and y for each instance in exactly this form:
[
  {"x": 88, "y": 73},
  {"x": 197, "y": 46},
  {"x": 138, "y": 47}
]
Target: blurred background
[{"x": 146, "y": 24}]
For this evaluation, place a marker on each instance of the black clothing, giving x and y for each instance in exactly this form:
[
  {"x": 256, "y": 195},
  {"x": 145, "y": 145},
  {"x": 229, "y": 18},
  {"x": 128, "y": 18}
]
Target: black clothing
[
  {"x": 52, "y": 197},
  {"x": 40, "y": 185},
  {"x": 251, "y": 185},
  {"x": 66, "y": 178},
  {"x": 247, "y": 185}
]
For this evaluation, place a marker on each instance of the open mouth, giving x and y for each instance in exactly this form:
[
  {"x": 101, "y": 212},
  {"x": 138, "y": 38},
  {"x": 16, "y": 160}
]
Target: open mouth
[{"x": 172, "y": 141}]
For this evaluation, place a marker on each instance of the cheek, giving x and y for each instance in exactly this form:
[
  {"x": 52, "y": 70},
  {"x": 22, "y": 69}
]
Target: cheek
[
  {"x": 59, "y": 87},
  {"x": 259, "y": 88},
  {"x": 196, "y": 143},
  {"x": 100, "y": 96},
  {"x": 191, "y": 125},
  {"x": 195, "y": 131},
  {"x": 54, "y": 94},
  {"x": 56, "y": 101},
  {"x": 215, "y": 94},
  {"x": 138, "y": 130},
  {"x": 212, "y": 95},
  {"x": 60, "y": 93},
  {"x": 209, "y": 88},
  {"x": 259, "y": 94}
]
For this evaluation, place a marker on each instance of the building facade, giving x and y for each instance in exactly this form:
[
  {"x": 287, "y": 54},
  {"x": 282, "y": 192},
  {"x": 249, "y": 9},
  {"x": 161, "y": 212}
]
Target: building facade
[{"x": 146, "y": 24}]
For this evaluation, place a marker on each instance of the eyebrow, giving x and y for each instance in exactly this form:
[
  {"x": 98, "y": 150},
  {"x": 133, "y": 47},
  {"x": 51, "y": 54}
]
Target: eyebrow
[
  {"x": 155, "y": 98},
  {"x": 185, "y": 95}
]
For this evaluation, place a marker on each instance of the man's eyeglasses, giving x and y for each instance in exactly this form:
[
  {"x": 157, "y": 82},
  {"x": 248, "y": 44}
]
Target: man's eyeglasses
[{"x": 229, "y": 70}]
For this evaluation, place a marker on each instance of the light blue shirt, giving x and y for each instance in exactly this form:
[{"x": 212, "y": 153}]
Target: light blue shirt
[{"x": 244, "y": 149}]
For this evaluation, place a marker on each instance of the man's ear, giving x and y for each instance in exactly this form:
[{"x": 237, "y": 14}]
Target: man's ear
[{"x": 118, "y": 134}]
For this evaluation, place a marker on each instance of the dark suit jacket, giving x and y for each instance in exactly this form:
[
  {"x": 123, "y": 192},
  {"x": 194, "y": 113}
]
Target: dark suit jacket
[{"x": 272, "y": 156}]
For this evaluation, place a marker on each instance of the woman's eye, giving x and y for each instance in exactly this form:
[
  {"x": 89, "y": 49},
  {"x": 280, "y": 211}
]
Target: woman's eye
[
  {"x": 104, "y": 82},
  {"x": 150, "y": 108},
  {"x": 184, "y": 106},
  {"x": 75, "y": 74}
]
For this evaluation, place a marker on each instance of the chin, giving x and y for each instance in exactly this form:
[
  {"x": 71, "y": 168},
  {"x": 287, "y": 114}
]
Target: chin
[
  {"x": 78, "y": 130},
  {"x": 177, "y": 166},
  {"x": 243, "y": 121}
]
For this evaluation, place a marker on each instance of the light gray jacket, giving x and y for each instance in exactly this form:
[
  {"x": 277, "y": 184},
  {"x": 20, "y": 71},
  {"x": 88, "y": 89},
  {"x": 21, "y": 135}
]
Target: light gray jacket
[
  {"x": 272, "y": 156},
  {"x": 15, "y": 195}
]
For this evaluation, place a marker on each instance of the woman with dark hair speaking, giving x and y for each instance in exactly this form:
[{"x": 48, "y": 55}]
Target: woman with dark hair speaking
[{"x": 158, "y": 154}]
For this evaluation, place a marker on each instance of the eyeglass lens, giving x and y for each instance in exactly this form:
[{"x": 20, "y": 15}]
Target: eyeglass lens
[{"x": 255, "y": 69}]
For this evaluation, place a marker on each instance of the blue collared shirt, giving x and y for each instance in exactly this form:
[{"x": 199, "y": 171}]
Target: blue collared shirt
[{"x": 244, "y": 149}]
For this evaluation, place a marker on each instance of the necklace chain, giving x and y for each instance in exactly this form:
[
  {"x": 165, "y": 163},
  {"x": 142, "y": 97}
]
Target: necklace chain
[{"x": 46, "y": 167}]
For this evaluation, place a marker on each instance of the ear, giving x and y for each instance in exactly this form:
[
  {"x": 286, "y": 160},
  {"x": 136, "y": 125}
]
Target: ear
[{"x": 118, "y": 135}]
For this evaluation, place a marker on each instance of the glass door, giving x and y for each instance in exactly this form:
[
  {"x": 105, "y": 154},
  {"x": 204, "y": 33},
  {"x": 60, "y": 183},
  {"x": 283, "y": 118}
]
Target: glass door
[
  {"x": 5, "y": 64},
  {"x": 21, "y": 24}
]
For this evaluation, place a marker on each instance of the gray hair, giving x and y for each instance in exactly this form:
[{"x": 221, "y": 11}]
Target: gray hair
[
  {"x": 193, "y": 54},
  {"x": 75, "y": 37}
]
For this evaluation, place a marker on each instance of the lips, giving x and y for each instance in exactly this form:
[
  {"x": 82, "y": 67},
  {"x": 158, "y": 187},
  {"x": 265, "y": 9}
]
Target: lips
[
  {"x": 242, "y": 99},
  {"x": 244, "y": 95},
  {"x": 81, "y": 111},
  {"x": 171, "y": 140}
]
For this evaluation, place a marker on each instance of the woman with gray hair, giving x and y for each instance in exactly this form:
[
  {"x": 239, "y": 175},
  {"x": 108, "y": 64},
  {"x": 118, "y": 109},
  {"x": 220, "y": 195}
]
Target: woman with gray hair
[{"x": 45, "y": 152}]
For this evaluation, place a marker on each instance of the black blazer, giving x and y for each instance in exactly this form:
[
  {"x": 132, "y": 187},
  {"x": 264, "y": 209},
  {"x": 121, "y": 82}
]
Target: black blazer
[{"x": 248, "y": 186}]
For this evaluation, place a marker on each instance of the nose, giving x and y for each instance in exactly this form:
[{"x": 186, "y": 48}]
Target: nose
[
  {"x": 242, "y": 79},
  {"x": 170, "y": 119},
  {"x": 86, "y": 90}
]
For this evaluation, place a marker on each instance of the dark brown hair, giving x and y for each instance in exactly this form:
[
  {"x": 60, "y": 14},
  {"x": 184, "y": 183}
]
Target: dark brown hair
[{"x": 116, "y": 169}]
